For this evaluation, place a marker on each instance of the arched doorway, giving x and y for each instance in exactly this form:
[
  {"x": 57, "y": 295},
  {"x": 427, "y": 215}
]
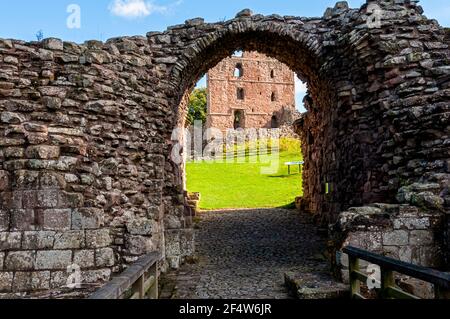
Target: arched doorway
[
  {"x": 297, "y": 54},
  {"x": 349, "y": 136},
  {"x": 274, "y": 122}
]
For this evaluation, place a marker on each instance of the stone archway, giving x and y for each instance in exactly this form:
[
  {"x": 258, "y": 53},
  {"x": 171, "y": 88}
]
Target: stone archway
[
  {"x": 86, "y": 175},
  {"x": 359, "y": 80}
]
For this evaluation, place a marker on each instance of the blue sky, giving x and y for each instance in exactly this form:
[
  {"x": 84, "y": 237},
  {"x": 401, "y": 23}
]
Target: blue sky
[{"x": 103, "y": 19}]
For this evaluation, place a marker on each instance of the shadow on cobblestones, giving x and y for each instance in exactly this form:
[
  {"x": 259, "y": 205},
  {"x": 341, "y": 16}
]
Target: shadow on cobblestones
[{"x": 244, "y": 254}]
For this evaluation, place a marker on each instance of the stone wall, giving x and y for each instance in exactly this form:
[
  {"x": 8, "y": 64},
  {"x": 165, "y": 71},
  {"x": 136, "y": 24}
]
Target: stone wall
[
  {"x": 390, "y": 125},
  {"x": 82, "y": 160},
  {"x": 86, "y": 173},
  {"x": 403, "y": 232}
]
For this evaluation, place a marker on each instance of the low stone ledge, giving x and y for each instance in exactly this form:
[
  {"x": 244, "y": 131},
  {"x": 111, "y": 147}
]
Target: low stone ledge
[{"x": 315, "y": 285}]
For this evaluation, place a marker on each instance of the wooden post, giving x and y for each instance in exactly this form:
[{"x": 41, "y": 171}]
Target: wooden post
[
  {"x": 355, "y": 286},
  {"x": 141, "y": 286},
  {"x": 387, "y": 280},
  {"x": 153, "y": 293}
]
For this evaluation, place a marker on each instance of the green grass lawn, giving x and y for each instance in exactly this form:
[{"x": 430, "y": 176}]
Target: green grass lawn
[{"x": 241, "y": 185}]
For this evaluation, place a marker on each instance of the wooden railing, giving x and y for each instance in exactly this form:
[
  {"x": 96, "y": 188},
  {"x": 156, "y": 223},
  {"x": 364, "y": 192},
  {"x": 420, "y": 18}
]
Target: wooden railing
[
  {"x": 139, "y": 281},
  {"x": 389, "y": 290}
]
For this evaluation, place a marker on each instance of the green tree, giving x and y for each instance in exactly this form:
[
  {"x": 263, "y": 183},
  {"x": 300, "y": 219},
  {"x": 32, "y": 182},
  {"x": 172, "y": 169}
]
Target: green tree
[{"x": 197, "y": 106}]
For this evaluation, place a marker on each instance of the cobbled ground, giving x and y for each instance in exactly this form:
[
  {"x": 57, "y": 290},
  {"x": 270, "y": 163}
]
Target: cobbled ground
[{"x": 243, "y": 254}]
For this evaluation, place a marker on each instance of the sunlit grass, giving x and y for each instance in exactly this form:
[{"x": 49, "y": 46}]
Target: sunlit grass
[{"x": 241, "y": 185}]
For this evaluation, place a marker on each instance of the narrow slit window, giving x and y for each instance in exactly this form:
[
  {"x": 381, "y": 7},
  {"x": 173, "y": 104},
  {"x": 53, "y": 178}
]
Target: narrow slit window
[
  {"x": 238, "y": 71},
  {"x": 274, "y": 122},
  {"x": 272, "y": 74},
  {"x": 273, "y": 97},
  {"x": 240, "y": 94}
]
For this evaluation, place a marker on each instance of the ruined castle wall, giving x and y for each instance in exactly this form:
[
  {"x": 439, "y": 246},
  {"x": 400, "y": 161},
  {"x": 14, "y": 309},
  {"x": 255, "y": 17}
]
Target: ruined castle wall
[
  {"x": 81, "y": 159},
  {"x": 262, "y": 76}
]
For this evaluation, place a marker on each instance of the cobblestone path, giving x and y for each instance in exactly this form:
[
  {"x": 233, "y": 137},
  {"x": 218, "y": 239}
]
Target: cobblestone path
[{"x": 244, "y": 254}]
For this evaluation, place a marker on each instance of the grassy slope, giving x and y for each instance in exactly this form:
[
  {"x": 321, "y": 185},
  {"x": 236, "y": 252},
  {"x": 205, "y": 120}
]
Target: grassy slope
[{"x": 241, "y": 185}]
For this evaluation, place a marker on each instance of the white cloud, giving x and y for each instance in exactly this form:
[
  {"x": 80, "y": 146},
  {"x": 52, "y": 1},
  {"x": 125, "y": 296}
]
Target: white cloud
[
  {"x": 300, "y": 86},
  {"x": 138, "y": 8},
  {"x": 300, "y": 92}
]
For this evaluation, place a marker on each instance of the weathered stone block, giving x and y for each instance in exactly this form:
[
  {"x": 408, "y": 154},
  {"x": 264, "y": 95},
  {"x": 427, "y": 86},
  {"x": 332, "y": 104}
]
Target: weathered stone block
[
  {"x": 367, "y": 240},
  {"x": 53, "y": 259},
  {"x": 84, "y": 258},
  {"x": 173, "y": 247},
  {"x": 52, "y": 44},
  {"x": 10, "y": 59},
  {"x": 26, "y": 180},
  {"x": 104, "y": 257},
  {"x": 50, "y": 180},
  {"x": 12, "y": 118},
  {"x": 421, "y": 237},
  {"x": 395, "y": 238},
  {"x": 29, "y": 199},
  {"x": 22, "y": 281},
  {"x": 98, "y": 238},
  {"x": 172, "y": 222},
  {"x": 187, "y": 238},
  {"x": 56, "y": 219},
  {"x": 2, "y": 259},
  {"x": 6, "y": 280},
  {"x": 87, "y": 218},
  {"x": 412, "y": 223},
  {"x": 63, "y": 164},
  {"x": 72, "y": 200},
  {"x": 9, "y": 241},
  {"x": 40, "y": 280},
  {"x": 141, "y": 226},
  {"x": 405, "y": 254},
  {"x": 13, "y": 152},
  {"x": 42, "y": 152},
  {"x": 69, "y": 240},
  {"x": 20, "y": 260},
  {"x": 22, "y": 219},
  {"x": 95, "y": 276},
  {"x": 38, "y": 240},
  {"x": 47, "y": 198},
  {"x": 35, "y": 128},
  {"x": 87, "y": 179},
  {"x": 71, "y": 178},
  {"x": 58, "y": 279},
  {"x": 4, "y": 220},
  {"x": 139, "y": 245},
  {"x": 52, "y": 103},
  {"x": 4, "y": 180}
]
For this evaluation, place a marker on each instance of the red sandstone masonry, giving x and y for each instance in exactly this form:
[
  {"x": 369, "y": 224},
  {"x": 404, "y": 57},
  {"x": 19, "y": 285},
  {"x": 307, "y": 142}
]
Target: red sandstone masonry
[{"x": 258, "y": 84}]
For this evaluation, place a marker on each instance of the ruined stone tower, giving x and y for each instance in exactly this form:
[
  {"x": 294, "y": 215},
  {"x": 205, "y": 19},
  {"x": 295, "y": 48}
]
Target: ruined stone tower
[{"x": 249, "y": 91}]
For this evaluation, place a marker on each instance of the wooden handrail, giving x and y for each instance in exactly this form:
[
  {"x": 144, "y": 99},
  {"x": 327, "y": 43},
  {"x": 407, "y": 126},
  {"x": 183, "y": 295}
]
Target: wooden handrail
[
  {"x": 136, "y": 282},
  {"x": 440, "y": 280}
]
